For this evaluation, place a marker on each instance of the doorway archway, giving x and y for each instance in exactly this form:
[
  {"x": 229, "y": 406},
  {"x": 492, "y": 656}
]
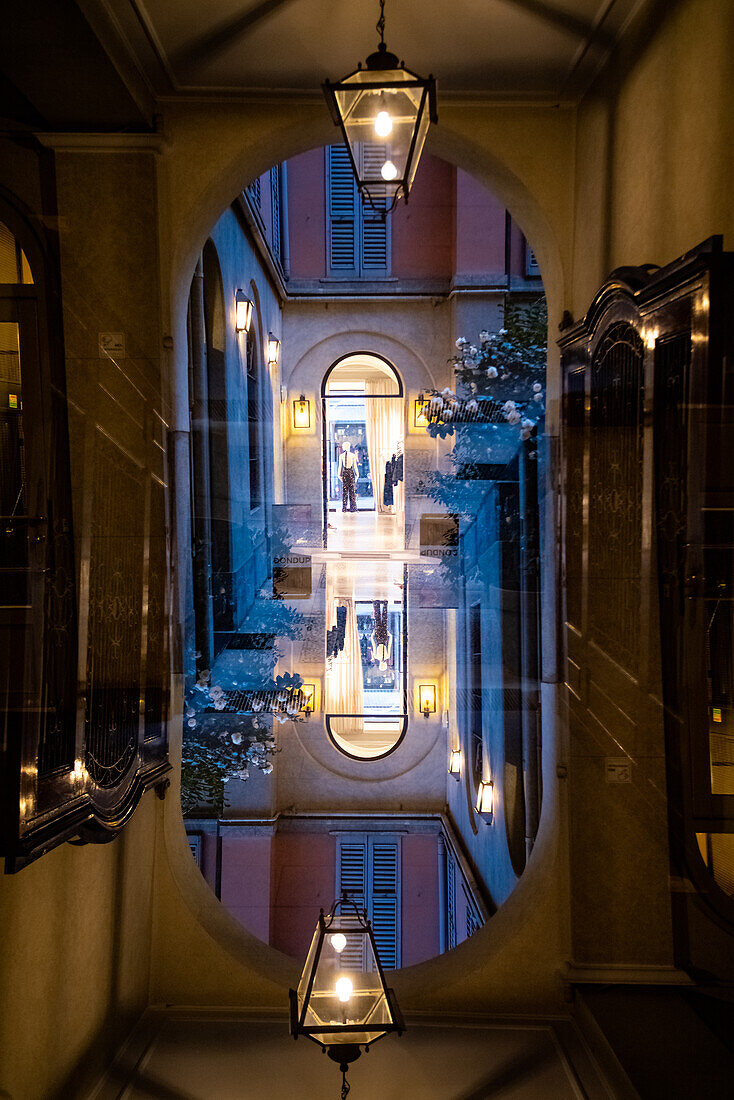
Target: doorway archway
[{"x": 363, "y": 416}]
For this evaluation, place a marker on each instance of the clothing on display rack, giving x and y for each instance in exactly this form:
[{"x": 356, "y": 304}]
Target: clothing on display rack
[
  {"x": 387, "y": 496},
  {"x": 397, "y": 468},
  {"x": 381, "y": 641},
  {"x": 335, "y": 636}
]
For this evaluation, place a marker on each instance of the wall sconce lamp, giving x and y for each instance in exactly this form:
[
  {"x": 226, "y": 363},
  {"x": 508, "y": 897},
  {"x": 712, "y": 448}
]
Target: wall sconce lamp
[
  {"x": 485, "y": 800},
  {"x": 427, "y": 699},
  {"x": 455, "y": 764},
  {"x": 308, "y": 699},
  {"x": 420, "y": 412},
  {"x": 302, "y": 413},
  {"x": 242, "y": 311},
  {"x": 273, "y": 349}
]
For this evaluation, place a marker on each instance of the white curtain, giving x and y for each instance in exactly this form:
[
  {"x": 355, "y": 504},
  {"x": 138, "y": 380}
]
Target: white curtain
[
  {"x": 343, "y": 681},
  {"x": 384, "y": 427}
]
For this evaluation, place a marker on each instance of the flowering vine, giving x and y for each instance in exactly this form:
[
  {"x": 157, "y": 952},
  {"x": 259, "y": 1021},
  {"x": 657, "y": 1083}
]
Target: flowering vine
[{"x": 498, "y": 402}]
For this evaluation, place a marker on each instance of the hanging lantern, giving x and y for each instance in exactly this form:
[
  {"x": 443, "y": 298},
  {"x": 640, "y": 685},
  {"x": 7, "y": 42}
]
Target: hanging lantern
[
  {"x": 384, "y": 110},
  {"x": 342, "y": 1001}
]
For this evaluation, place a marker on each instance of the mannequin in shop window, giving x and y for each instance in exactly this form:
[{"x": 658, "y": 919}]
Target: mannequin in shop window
[
  {"x": 348, "y": 471},
  {"x": 381, "y": 640}
]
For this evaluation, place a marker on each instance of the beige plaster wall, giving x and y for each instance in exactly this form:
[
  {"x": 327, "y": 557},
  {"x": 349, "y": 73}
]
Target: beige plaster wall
[
  {"x": 74, "y": 960},
  {"x": 654, "y": 165}
]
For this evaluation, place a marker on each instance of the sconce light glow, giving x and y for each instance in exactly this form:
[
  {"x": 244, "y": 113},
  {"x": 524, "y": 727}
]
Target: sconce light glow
[
  {"x": 649, "y": 336},
  {"x": 383, "y": 125},
  {"x": 339, "y": 942},
  {"x": 302, "y": 413},
  {"x": 427, "y": 699},
  {"x": 343, "y": 989},
  {"x": 273, "y": 349},
  {"x": 455, "y": 763},
  {"x": 388, "y": 171},
  {"x": 420, "y": 412},
  {"x": 242, "y": 311},
  {"x": 485, "y": 799}
]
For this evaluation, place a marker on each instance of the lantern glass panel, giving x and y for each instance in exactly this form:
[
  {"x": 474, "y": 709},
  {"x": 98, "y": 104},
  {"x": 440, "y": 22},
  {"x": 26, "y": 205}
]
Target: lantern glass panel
[
  {"x": 301, "y": 413},
  {"x": 364, "y": 95},
  {"x": 363, "y": 1008}
]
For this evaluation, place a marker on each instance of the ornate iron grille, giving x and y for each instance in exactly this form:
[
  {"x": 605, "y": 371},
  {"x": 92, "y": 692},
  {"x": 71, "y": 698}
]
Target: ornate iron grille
[
  {"x": 57, "y": 746},
  {"x": 466, "y": 410},
  {"x": 574, "y": 528},
  {"x": 115, "y": 605},
  {"x": 615, "y": 493},
  {"x": 672, "y": 365},
  {"x": 58, "y": 728},
  {"x": 260, "y": 702},
  {"x": 156, "y": 669}
]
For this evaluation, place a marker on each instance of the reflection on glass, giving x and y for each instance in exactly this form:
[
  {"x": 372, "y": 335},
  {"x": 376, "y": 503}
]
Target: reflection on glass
[
  {"x": 365, "y": 594},
  {"x": 365, "y": 682},
  {"x": 13, "y": 529}
]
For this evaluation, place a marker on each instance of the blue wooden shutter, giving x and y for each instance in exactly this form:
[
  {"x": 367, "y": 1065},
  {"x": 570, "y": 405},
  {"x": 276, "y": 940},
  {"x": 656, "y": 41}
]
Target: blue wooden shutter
[
  {"x": 351, "y": 877},
  {"x": 342, "y": 225},
  {"x": 385, "y": 900},
  {"x": 374, "y": 225}
]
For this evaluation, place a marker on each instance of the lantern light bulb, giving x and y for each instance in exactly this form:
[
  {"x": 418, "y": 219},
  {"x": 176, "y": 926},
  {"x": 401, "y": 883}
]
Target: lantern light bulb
[
  {"x": 383, "y": 124},
  {"x": 343, "y": 989},
  {"x": 388, "y": 170},
  {"x": 338, "y": 942}
]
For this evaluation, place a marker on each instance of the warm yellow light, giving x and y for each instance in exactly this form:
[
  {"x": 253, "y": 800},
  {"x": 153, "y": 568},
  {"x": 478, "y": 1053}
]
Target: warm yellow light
[
  {"x": 343, "y": 989},
  {"x": 649, "y": 336},
  {"x": 427, "y": 699},
  {"x": 388, "y": 170},
  {"x": 485, "y": 798},
  {"x": 302, "y": 413},
  {"x": 455, "y": 762},
  {"x": 273, "y": 349},
  {"x": 420, "y": 410},
  {"x": 383, "y": 124},
  {"x": 243, "y": 312},
  {"x": 339, "y": 942}
]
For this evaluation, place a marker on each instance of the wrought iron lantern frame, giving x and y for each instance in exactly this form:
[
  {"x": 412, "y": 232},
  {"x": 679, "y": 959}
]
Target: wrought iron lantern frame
[
  {"x": 343, "y": 1052},
  {"x": 382, "y": 61}
]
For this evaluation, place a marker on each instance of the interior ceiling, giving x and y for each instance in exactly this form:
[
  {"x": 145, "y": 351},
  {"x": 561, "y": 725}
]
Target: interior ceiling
[
  {"x": 102, "y": 64},
  {"x": 352, "y": 373},
  {"x": 546, "y": 47}
]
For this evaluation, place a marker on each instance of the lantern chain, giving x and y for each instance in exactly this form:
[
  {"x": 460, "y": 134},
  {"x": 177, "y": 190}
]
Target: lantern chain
[
  {"x": 381, "y": 23},
  {"x": 346, "y": 1087}
]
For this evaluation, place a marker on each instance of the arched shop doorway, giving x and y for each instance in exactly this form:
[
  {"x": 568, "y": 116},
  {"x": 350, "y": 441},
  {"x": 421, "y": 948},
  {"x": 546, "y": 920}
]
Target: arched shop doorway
[{"x": 363, "y": 436}]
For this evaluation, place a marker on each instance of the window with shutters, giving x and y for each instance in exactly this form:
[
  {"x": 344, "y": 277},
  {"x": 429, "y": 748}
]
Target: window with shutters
[
  {"x": 358, "y": 243},
  {"x": 450, "y": 901},
  {"x": 476, "y": 719},
  {"x": 368, "y": 871},
  {"x": 275, "y": 205},
  {"x": 254, "y": 425}
]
